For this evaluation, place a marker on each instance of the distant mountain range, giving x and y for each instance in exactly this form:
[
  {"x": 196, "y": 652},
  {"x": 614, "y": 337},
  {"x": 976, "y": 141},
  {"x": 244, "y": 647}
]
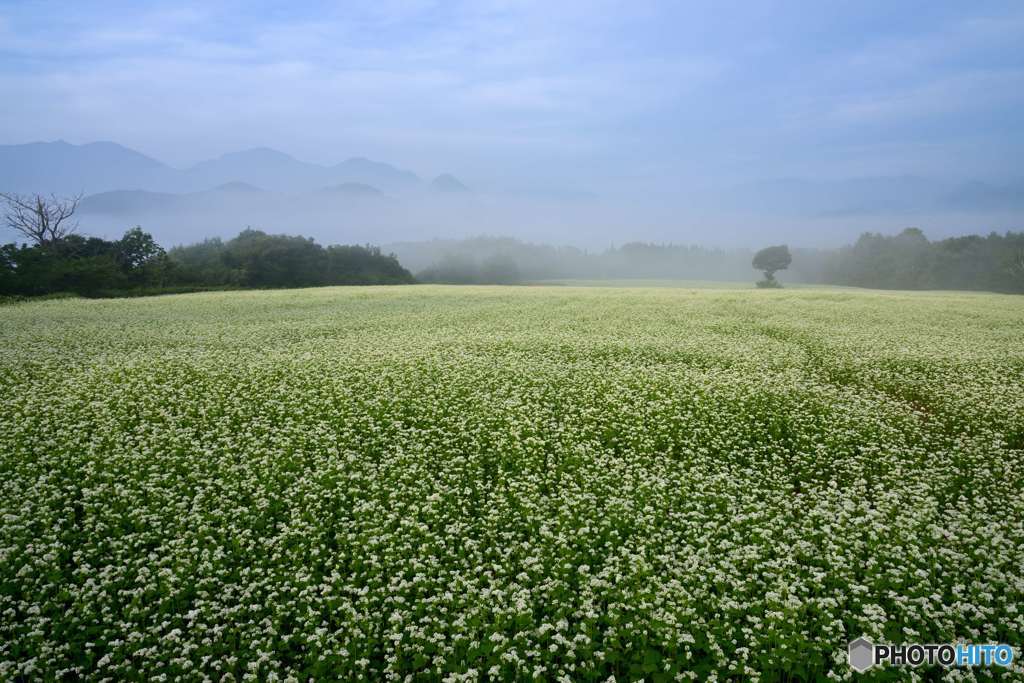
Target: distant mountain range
[
  {"x": 260, "y": 187},
  {"x": 125, "y": 180},
  {"x": 361, "y": 200},
  {"x": 101, "y": 167}
]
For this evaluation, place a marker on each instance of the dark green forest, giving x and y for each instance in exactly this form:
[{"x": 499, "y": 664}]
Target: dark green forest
[
  {"x": 136, "y": 264},
  {"x": 909, "y": 260},
  {"x": 256, "y": 259}
]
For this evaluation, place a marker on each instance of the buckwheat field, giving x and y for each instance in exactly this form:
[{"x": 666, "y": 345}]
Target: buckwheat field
[{"x": 486, "y": 483}]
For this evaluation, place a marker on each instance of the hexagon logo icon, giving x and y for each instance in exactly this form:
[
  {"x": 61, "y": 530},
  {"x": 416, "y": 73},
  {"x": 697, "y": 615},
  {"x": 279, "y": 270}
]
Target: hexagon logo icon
[{"x": 862, "y": 654}]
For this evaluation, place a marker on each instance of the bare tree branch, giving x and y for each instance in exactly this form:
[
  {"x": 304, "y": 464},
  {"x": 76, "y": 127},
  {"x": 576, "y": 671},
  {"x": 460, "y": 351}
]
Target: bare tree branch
[{"x": 43, "y": 220}]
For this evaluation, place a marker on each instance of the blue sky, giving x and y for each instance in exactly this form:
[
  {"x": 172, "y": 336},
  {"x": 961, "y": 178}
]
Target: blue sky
[{"x": 595, "y": 95}]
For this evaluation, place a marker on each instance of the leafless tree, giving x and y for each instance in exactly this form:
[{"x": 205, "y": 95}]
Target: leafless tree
[{"x": 43, "y": 220}]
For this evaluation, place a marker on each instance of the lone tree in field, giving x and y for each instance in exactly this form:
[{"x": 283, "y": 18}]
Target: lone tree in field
[
  {"x": 44, "y": 220},
  {"x": 771, "y": 259}
]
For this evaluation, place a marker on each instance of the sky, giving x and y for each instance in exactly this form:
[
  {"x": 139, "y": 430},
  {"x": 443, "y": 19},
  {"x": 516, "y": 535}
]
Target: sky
[{"x": 629, "y": 99}]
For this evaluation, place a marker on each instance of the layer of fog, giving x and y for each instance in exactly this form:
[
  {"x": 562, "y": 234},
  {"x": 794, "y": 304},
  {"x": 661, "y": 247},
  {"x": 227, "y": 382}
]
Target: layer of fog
[
  {"x": 355, "y": 215},
  {"x": 358, "y": 200}
]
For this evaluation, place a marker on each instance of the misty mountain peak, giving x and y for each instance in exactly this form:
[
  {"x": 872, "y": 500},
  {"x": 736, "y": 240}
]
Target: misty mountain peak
[
  {"x": 102, "y": 150},
  {"x": 65, "y": 168},
  {"x": 361, "y": 169},
  {"x": 446, "y": 182}
]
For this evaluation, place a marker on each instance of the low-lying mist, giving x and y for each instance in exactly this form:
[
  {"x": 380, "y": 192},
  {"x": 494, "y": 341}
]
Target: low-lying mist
[
  {"x": 908, "y": 260},
  {"x": 357, "y": 213}
]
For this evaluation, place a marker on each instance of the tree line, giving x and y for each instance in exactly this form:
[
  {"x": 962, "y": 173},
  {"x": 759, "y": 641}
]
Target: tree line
[
  {"x": 503, "y": 260},
  {"x": 57, "y": 260},
  {"x": 256, "y": 259},
  {"x": 908, "y": 260}
]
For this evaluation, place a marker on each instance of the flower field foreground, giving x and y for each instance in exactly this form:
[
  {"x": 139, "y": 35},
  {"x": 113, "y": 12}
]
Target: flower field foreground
[{"x": 486, "y": 483}]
